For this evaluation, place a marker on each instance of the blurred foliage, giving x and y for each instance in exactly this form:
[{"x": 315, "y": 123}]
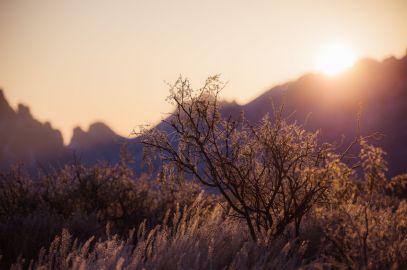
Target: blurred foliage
[{"x": 322, "y": 213}]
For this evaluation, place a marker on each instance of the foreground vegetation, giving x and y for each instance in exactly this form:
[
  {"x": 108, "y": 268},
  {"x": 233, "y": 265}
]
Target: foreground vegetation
[
  {"x": 101, "y": 217},
  {"x": 228, "y": 195}
]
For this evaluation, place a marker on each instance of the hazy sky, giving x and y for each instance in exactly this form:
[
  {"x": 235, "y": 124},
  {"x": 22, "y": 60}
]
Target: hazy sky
[{"x": 79, "y": 61}]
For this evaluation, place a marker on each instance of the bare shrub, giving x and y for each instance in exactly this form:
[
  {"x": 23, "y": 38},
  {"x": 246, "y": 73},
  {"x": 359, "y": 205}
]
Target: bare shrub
[
  {"x": 271, "y": 174},
  {"x": 83, "y": 200},
  {"x": 365, "y": 228},
  {"x": 283, "y": 200}
]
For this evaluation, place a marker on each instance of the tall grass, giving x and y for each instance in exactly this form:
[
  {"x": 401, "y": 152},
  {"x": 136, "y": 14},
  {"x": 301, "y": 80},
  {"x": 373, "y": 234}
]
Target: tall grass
[{"x": 105, "y": 218}]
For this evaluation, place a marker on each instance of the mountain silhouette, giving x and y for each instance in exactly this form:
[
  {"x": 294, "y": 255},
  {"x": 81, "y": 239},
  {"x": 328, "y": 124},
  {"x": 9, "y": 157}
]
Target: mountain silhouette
[
  {"x": 379, "y": 87},
  {"x": 98, "y": 143},
  {"x": 378, "y": 90},
  {"x": 25, "y": 140},
  {"x": 331, "y": 104}
]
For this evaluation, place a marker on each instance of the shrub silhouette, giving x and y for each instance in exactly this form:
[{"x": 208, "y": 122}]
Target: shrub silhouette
[
  {"x": 84, "y": 200},
  {"x": 271, "y": 174},
  {"x": 366, "y": 230},
  {"x": 282, "y": 200}
]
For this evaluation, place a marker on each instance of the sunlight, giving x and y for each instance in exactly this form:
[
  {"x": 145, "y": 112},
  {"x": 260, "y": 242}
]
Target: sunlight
[{"x": 335, "y": 58}]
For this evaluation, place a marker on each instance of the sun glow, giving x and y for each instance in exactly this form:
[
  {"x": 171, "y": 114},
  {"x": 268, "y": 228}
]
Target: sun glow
[{"x": 335, "y": 58}]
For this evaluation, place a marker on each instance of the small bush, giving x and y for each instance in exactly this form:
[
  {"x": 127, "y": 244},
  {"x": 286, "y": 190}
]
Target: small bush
[
  {"x": 84, "y": 200},
  {"x": 283, "y": 201}
]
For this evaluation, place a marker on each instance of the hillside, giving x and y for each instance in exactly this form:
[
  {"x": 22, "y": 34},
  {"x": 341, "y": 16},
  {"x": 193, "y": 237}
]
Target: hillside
[
  {"x": 333, "y": 103},
  {"x": 26, "y": 140}
]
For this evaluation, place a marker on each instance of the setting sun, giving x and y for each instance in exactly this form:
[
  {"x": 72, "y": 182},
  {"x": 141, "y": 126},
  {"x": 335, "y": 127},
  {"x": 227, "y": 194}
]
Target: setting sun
[
  {"x": 335, "y": 58},
  {"x": 203, "y": 134}
]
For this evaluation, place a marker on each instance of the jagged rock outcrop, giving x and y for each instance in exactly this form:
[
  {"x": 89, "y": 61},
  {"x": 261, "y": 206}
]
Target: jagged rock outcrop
[
  {"x": 334, "y": 102},
  {"x": 98, "y": 143},
  {"x": 25, "y": 140}
]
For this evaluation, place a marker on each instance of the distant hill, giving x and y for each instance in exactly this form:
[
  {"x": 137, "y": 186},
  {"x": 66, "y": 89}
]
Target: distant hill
[
  {"x": 379, "y": 87},
  {"x": 333, "y": 103},
  {"x": 26, "y": 140},
  {"x": 98, "y": 143}
]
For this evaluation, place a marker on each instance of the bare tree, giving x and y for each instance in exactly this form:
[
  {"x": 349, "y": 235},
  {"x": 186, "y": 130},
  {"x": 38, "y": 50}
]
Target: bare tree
[{"x": 271, "y": 173}]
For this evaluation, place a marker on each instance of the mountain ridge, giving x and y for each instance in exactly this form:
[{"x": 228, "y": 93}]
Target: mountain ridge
[
  {"x": 44, "y": 144},
  {"x": 334, "y": 103}
]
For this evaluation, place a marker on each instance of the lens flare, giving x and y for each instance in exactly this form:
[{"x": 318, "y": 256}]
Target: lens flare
[{"x": 335, "y": 58}]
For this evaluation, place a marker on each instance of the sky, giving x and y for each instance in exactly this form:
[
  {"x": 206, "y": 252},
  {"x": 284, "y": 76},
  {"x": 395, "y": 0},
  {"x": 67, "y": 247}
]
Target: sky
[{"x": 75, "y": 62}]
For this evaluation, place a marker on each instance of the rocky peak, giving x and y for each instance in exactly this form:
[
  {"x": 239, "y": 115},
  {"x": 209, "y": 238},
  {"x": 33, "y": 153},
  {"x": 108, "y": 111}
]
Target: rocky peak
[
  {"x": 5, "y": 109},
  {"x": 23, "y": 111},
  {"x": 98, "y": 134},
  {"x": 101, "y": 130}
]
